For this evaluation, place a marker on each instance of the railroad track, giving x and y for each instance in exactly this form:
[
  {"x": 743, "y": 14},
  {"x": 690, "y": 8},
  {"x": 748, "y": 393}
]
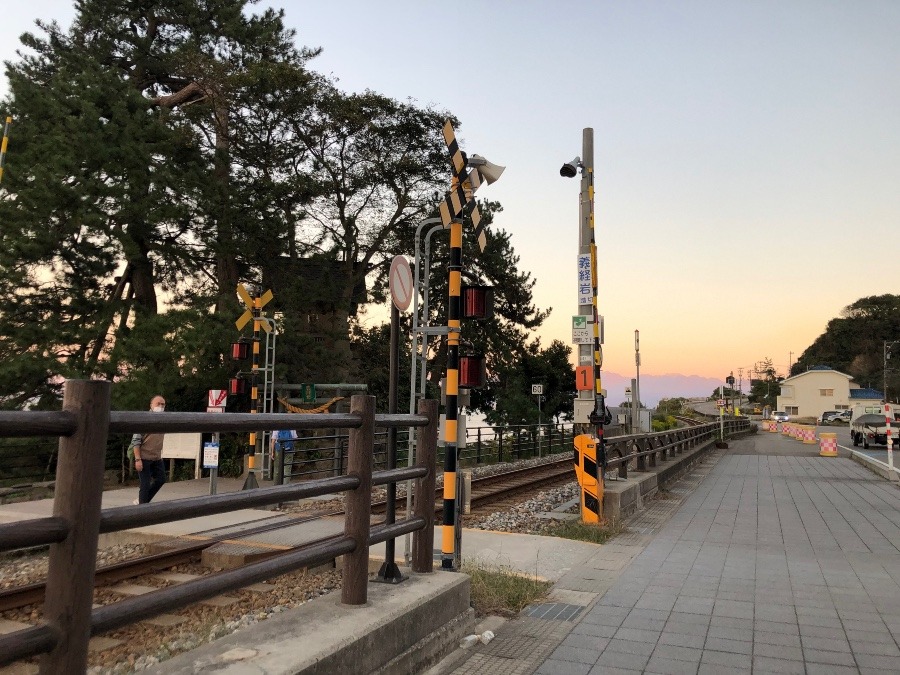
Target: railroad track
[{"x": 489, "y": 494}]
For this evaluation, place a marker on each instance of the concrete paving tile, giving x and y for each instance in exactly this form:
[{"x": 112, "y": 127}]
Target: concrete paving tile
[
  {"x": 594, "y": 630},
  {"x": 865, "y": 626},
  {"x": 581, "y": 641},
  {"x": 734, "y": 609},
  {"x": 762, "y": 664},
  {"x": 726, "y": 659},
  {"x": 875, "y": 648},
  {"x": 869, "y": 636},
  {"x": 830, "y": 658},
  {"x": 576, "y": 654},
  {"x": 553, "y": 666},
  {"x": 685, "y": 617},
  {"x": 681, "y": 640},
  {"x": 661, "y": 602},
  {"x": 779, "y": 613},
  {"x": 602, "y": 619},
  {"x": 785, "y": 652},
  {"x": 690, "y": 605},
  {"x": 630, "y": 647},
  {"x": 723, "y": 645},
  {"x": 677, "y": 653},
  {"x": 732, "y": 622},
  {"x": 637, "y": 635},
  {"x": 828, "y": 632},
  {"x": 662, "y": 666},
  {"x": 825, "y": 644},
  {"x": 610, "y": 659},
  {"x": 829, "y": 669},
  {"x": 607, "y": 670},
  {"x": 876, "y": 661},
  {"x": 766, "y": 638},
  {"x": 644, "y": 623},
  {"x": 776, "y": 627},
  {"x": 686, "y": 628},
  {"x": 813, "y": 620},
  {"x": 706, "y": 669},
  {"x": 717, "y": 631}
]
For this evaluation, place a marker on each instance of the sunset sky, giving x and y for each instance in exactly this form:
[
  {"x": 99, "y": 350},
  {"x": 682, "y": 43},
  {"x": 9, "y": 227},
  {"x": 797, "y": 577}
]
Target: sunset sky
[{"x": 747, "y": 154}]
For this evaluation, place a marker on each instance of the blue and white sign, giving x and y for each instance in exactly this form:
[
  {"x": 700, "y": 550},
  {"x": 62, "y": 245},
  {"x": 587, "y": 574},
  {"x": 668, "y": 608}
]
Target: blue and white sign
[
  {"x": 585, "y": 292},
  {"x": 210, "y": 455}
]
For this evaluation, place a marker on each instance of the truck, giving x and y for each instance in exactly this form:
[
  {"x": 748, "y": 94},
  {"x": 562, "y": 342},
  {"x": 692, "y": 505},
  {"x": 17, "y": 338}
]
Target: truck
[{"x": 869, "y": 425}]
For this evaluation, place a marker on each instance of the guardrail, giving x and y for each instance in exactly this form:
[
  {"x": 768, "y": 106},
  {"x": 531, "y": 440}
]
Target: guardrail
[
  {"x": 73, "y": 531},
  {"x": 648, "y": 449}
]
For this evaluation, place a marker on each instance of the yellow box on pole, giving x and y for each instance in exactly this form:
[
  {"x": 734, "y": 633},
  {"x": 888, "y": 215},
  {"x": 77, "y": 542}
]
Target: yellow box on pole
[{"x": 589, "y": 477}]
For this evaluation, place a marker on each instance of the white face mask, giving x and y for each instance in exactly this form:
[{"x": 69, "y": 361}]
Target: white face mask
[{"x": 158, "y": 408}]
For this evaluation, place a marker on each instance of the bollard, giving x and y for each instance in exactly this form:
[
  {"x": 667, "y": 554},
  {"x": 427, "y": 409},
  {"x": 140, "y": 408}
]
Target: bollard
[
  {"x": 809, "y": 435},
  {"x": 828, "y": 444},
  {"x": 773, "y": 426}
]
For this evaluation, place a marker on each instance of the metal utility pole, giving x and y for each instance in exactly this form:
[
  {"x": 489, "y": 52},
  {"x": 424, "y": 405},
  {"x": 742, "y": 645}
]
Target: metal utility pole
[{"x": 637, "y": 381}]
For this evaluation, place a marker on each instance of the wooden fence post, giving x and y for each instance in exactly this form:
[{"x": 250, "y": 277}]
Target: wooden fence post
[
  {"x": 358, "y": 502},
  {"x": 423, "y": 498},
  {"x": 79, "y": 492}
]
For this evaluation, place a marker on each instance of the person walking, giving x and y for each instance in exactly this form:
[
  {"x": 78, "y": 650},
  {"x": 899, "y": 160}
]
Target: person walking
[{"x": 148, "y": 459}]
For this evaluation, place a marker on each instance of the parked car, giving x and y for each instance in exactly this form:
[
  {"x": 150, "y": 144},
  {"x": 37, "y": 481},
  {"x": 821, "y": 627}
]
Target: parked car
[
  {"x": 843, "y": 417},
  {"x": 780, "y": 416},
  {"x": 828, "y": 415}
]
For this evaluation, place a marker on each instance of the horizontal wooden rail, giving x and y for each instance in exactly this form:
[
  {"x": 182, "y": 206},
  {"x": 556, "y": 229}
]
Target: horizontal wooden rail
[
  {"x": 397, "y": 475},
  {"x": 83, "y": 427},
  {"x": 141, "y": 515},
  {"x": 37, "y": 532},
  {"x": 16, "y": 423}
]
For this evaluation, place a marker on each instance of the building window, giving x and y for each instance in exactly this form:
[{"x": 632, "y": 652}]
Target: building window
[
  {"x": 787, "y": 391},
  {"x": 791, "y": 410},
  {"x": 826, "y": 392},
  {"x": 838, "y": 406}
]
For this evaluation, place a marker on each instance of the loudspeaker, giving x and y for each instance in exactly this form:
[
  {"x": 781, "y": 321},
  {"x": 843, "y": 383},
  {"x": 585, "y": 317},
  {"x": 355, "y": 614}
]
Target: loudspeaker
[
  {"x": 570, "y": 169},
  {"x": 488, "y": 170}
]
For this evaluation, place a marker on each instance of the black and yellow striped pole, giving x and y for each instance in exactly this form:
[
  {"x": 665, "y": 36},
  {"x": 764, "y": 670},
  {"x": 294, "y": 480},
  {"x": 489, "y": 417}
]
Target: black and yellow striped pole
[
  {"x": 4, "y": 144},
  {"x": 458, "y": 202},
  {"x": 448, "y": 533},
  {"x": 254, "y": 307},
  {"x": 255, "y": 400}
]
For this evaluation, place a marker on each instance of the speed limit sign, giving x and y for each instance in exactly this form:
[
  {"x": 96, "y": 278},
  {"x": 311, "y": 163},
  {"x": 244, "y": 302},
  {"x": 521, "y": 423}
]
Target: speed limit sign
[{"x": 537, "y": 389}]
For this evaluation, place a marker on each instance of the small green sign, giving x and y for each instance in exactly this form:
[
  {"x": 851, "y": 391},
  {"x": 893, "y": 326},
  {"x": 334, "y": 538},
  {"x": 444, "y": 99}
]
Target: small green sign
[
  {"x": 579, "y": 322},
  {"x": 308, "y": 392}
]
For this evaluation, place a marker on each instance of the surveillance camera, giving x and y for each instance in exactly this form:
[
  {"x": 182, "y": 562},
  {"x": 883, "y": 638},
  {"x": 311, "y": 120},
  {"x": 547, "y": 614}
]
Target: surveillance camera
[{"x": 570, "y": 169}]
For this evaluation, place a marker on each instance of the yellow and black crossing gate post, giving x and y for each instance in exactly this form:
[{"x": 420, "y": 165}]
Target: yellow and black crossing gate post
[
  {"x": 4, "y": 144},
  {"x": 458, "y": 202},
  {"x": 254, "y": 307}
]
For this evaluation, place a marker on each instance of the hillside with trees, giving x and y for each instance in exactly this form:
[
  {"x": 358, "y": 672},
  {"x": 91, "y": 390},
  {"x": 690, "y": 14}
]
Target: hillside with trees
[{"x": 853, "y": 343}]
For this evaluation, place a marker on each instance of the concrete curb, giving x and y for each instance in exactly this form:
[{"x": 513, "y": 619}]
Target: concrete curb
[
  {"x": 874, "y": 465},
  {"x": 324, "y": 637}
]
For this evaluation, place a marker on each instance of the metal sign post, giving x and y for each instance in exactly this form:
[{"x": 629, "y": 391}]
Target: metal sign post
[{"x": 215, "y": 403}]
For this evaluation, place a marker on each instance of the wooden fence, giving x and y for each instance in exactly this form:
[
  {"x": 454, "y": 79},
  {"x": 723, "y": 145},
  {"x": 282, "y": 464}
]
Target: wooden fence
[{"x": 78, "y": 519}]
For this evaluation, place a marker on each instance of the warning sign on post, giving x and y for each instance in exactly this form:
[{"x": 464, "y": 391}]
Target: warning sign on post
[{"x": 210, "y": 455}]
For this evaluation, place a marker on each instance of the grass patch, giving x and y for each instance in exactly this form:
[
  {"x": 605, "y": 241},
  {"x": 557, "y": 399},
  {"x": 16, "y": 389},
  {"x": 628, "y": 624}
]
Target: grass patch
[
  {"x": 595, "y": 534},
  {"x": 499, "y": 590}
]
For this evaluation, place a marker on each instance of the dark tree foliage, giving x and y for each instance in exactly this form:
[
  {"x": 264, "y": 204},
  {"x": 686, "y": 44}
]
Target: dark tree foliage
[{"x": 854, "y": 343}]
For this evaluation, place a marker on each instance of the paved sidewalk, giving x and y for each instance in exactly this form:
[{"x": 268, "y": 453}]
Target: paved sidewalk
[{"x": 776, "y": 563}]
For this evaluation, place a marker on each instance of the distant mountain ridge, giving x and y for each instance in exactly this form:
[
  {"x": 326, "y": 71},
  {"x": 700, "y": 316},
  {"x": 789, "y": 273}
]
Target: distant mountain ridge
[{"x": 655, "y": 387}]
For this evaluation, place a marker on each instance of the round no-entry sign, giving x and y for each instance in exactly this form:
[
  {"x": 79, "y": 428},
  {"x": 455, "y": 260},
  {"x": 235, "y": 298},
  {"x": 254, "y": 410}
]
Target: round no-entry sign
[{"x": 400, "y": 282}]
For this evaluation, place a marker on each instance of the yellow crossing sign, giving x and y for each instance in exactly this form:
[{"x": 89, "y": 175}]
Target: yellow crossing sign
[{"x": 254, "y": 305}]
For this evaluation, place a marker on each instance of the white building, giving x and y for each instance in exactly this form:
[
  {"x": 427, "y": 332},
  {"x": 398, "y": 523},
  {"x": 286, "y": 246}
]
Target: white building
[{"x": 822, "y": 388}]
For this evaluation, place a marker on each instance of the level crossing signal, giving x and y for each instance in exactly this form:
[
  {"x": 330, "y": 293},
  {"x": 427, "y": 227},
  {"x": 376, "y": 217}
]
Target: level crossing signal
[
  {"x": 456, "y": 201},
  {"x": 252, "y": 305}
]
